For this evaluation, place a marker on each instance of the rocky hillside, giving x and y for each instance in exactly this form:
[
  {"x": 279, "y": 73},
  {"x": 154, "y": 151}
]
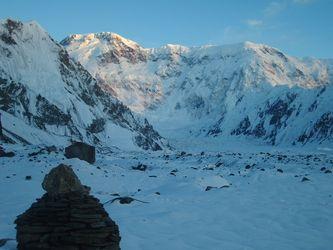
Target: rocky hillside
[
  {"x": 242, "y": 91},
  {"x": 46, "y": 97}
]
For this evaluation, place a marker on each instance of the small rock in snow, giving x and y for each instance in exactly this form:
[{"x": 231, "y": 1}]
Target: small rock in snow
[
  {"x": 140, "y": 167},
  {"x": 305, "y": 179}
]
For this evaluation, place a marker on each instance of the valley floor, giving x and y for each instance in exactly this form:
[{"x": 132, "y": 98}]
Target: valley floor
[{"x": 263, "y": 199}]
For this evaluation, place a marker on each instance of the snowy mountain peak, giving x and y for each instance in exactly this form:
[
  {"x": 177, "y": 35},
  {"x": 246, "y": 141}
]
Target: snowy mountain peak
[
  {"x": 11, "y": 27},
  {"x": 107, "y": 38},
  {"x": 54, "y": 99},
  {"x": 254, "y": 46},
  {"x": 245, "y": 89},
  {"x": 104, "y": 48},
  {"x": 175, "y": 48}
]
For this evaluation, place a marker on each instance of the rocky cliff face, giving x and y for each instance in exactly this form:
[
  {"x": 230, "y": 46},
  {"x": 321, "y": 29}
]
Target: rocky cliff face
[
  {"x": 244, "y": 90},
  {"x": 55, "y": 99}
]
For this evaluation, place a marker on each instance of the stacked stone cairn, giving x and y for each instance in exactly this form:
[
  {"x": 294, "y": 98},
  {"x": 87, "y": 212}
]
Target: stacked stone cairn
[{"x": 66, "y": 217}]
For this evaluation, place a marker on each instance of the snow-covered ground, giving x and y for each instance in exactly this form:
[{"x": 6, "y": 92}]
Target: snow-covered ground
[{"x": 255, "y": 199}]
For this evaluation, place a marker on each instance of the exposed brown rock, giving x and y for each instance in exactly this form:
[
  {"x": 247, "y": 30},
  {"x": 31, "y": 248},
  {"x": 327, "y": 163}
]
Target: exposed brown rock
[{"x": 62, "y": 179}]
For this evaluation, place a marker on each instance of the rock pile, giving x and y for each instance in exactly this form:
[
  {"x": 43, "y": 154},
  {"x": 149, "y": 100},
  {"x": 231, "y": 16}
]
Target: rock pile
[{"x": 66, "y": 217}]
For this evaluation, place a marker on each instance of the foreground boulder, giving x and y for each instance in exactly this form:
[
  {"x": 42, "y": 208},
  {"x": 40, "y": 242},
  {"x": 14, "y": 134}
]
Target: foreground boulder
[
  {"x": 61, "y": 180},
  {"x": 66, "y": 217},
  {"x": 82, "y": 151}
]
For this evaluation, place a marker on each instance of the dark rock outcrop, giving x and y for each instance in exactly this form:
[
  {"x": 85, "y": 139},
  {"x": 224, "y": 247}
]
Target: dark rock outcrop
[
  {"x": 66, "y": 217},
  {"x": 321, "y": 130},
  {"x": 82, "y": 151},
  {"x": 3, "y": 153},
  {"x": 140, "y": 167}
]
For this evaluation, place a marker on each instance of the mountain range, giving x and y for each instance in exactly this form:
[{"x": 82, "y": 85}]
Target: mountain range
[
  {"x": 238, "y": 91},
  {"x": 47, "y": 97},
  {"x": 107, "y": 90}
]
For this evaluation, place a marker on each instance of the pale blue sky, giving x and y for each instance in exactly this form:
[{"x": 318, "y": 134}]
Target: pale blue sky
[{"x": 297, "y": 27}]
